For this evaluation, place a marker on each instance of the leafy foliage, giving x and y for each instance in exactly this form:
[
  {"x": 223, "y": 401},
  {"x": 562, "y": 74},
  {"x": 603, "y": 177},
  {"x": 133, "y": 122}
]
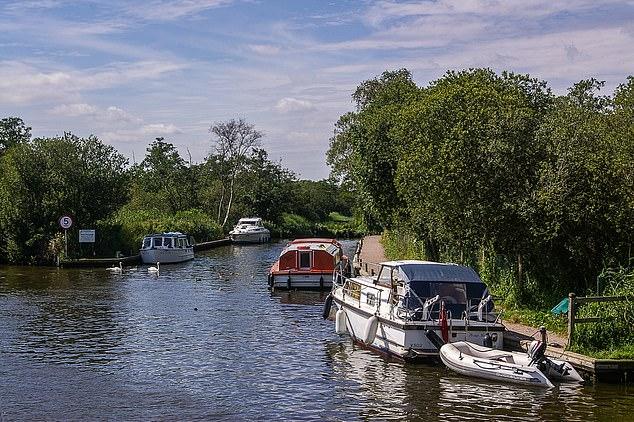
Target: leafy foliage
[
  {"x": 492, "y": 170},
  {"x": 47, "y": 178}
]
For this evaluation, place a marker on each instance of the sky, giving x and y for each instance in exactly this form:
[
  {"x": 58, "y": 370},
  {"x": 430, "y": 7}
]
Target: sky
[{"x": 130, "y": 71}]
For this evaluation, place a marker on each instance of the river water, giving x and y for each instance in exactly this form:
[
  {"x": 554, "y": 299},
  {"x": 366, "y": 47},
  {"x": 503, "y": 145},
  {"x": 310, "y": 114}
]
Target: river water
[{"x": 207, "y": 340}]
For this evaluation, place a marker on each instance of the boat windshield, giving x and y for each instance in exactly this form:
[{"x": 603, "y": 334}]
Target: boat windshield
[
  {"x": 456, "y": 296},
  {"x": 450, "y": 293},
  {"x": 147, "y": 243}
]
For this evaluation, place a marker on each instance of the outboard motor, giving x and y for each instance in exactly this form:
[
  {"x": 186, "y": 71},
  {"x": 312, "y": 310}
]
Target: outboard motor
[
  {"x": 536, "y": 351},
  {"x": 488, "y": 341}
]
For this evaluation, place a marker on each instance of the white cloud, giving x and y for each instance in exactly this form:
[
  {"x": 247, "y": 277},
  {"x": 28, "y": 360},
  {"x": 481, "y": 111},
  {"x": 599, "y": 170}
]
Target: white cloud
[
  {"x": 264, "y": 49},
  {"x": 159, "y": 129},
  {"x": 164, "y": 10},
  {"x": 290, "y": 105},
  {"x": 24, "y": 83},
  {"x": 74, "y": 110},
  {"x": 387, "y": 10}
]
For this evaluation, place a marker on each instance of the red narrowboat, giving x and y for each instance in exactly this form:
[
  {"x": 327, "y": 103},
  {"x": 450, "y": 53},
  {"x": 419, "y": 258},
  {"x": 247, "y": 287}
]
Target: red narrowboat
[{"x": 307, "y": 264}]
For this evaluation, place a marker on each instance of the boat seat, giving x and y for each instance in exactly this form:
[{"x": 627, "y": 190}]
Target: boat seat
[{"x": 504, "y": 357}]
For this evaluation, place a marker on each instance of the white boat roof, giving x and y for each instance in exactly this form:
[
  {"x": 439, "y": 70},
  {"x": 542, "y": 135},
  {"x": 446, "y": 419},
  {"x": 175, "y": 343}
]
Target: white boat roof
[
  {"x": 254, "y": 220},
  {"x": 167, "y": 234},
  {"x": 414, "y": 270},
  {"x": 315, "y": 244}
]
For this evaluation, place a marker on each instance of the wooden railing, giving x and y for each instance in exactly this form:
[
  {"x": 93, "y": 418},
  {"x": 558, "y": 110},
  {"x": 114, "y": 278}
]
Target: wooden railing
[{"x": 573, "y": 301}]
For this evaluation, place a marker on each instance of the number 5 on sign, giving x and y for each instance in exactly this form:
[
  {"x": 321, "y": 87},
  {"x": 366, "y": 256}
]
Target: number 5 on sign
[{"x": 65, "y": 222}]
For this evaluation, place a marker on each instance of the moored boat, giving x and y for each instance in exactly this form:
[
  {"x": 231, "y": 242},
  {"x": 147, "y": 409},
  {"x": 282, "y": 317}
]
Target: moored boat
[
  {"x": 166, "y": 248},
  {"x": 392, "y": 311},
  {"x": 531, "y": 368},
  {"x": 307, "y": 264},
  {"x": 250, "y": 230}
]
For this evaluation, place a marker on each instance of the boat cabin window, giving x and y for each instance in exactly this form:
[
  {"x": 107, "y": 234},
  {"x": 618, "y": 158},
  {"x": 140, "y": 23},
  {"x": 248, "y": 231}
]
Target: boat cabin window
[
  {"x": 304, "y": 259},
  {"x": 385, "y": 276},
  {"x": 147, "y": 243},
  {"x": 167, "y": 242},
  {"x": 158, "y": 241},
  {"x": 450, "y": 293}
]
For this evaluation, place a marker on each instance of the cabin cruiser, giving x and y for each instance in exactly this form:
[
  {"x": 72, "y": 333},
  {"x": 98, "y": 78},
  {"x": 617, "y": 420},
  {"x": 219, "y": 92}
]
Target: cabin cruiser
[
  {"x": 392, "y": 311},
  {"x": 166, "y": 248},
  {"x": 250, "y": 230},
  {"x": 307, "y": 264}
]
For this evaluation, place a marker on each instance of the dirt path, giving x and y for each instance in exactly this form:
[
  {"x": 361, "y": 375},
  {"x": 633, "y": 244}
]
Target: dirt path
[{"x": 372, "y": 250}]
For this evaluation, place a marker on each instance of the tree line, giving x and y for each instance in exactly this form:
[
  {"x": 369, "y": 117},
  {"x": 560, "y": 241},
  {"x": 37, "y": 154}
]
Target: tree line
[
  {"x": 42, "y": 179},
  {"x": 534, "y": 189}
]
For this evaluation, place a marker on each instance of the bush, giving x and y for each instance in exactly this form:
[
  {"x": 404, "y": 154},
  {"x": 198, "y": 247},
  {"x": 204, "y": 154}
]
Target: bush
[{"x": 125, "y": 231}]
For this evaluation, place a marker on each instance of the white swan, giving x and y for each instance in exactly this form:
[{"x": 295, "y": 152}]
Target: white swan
[
  {"x": 154, "y": 270},
  {"x": 116, "y": 270}
]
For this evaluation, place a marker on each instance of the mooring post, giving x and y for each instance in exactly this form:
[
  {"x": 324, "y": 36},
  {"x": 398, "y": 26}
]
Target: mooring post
[{"x": 571, "y": 317}]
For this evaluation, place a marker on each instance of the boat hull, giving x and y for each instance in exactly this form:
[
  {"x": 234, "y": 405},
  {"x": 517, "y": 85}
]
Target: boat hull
[
  {"x": 493, "y": 368},
  {"x": 408, "y": 340},
  {"x": 166, "y": 256},
  {"x": 260, "y": 237},
  {"x": 300, "y": 281}
]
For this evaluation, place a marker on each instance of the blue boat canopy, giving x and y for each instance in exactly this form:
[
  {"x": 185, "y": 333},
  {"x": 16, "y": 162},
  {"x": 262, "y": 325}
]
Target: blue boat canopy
[{"x": 437, "y": 272}]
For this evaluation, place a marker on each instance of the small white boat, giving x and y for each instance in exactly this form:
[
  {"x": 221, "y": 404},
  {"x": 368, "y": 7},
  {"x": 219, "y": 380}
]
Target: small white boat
[
  {"x": 250, "y": 230},
  {"x": 166, "y": 248},
  {"x": 522, "y": 368}
]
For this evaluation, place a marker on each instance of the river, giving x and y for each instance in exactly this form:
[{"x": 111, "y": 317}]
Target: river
[{"x": 206, "y": 340}]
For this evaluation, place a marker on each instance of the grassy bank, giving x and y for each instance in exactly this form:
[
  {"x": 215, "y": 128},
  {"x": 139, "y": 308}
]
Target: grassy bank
[{"x": 336, "y": 225}]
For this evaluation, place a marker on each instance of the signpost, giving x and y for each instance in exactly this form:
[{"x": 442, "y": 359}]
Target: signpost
[
  {"x": 66, "y": 223},
  {"x": 87, "y": 236}
]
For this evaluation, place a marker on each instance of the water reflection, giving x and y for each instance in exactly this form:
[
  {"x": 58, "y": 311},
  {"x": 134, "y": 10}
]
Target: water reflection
[{"x": 207, "y": 340}]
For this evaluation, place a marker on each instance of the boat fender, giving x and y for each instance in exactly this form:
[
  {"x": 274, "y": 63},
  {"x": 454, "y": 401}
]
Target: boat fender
[
  {"x": 434, "y": 338},
  {"x": 488, "y": 341},
  {"x": 327, "y": 305},
  {"x": 271, "y": 280},
  {"x": 288, "y": 282},
  {"x": 321, "y": 282},
  {"x": 370, "y": 330},
  {"x": 340, "y": 322}
]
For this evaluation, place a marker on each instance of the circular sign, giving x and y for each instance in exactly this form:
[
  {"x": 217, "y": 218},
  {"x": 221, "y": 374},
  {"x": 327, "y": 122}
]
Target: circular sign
[{"x": 65, "y": 222}]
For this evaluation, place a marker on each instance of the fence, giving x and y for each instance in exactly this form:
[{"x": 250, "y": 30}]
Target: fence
[{"x": 573, "y": 301}]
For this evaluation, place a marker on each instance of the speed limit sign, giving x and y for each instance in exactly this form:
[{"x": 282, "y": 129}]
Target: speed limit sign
[{"x": 65, "y": 222}]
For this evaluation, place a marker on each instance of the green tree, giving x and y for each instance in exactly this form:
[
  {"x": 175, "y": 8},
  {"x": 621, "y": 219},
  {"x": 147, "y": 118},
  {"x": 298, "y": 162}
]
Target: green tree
[
  {"x": 163, "y": 181},
  {"x": 13, "y": 131},
  {"x": 235, "y": 141},
  {"x": 363, "y": 150},
  {"x": 49, "y": 177}
]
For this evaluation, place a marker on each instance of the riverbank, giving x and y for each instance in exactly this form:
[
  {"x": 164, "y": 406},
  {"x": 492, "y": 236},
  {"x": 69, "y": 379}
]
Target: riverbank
[{"x": 371, "y": 252}]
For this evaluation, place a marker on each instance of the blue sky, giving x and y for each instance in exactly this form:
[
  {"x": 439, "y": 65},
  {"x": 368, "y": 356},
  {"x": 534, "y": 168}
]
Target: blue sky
[{"x": 129, "y": 71}]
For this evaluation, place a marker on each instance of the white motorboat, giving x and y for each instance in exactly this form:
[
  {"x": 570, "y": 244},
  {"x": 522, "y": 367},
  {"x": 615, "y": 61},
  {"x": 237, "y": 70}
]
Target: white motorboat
[
  {"x": 531, "y": 368},
  {"x": 250, "y": 230},
  {"x": 166, "y": 248},
  {"x": 392, "y": 311}
]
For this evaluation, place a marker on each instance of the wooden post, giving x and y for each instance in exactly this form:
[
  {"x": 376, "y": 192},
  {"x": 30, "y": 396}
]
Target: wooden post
[{"x": 571, "y": 317}]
